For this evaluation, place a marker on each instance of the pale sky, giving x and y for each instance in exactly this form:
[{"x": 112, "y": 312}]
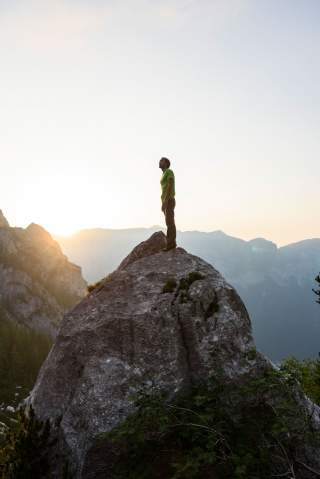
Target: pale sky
[{"x": 94, "y": 92}]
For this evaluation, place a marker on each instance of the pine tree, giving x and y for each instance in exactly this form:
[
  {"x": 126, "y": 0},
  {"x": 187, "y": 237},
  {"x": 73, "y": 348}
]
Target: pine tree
[
  {"x": 317, "y": 291},
  {"x": 23, "y": 455}
]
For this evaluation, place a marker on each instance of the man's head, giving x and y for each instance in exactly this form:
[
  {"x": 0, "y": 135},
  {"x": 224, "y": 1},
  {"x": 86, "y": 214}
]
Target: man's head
[{"x": 164, "y": 163}]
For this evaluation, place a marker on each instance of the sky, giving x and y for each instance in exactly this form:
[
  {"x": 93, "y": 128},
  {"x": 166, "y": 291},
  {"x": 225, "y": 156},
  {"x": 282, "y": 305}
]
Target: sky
[{"x": 94, "y": 92}]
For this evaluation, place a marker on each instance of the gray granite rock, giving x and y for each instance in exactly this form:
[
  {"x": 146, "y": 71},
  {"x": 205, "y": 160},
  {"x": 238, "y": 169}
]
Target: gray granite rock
[
  {"x": 129, "y": 331},
  {"x": 167, "y": 318}
]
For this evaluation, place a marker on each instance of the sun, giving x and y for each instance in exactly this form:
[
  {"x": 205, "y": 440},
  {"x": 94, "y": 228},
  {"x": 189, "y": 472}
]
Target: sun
[{"x": 62, "y": 209}]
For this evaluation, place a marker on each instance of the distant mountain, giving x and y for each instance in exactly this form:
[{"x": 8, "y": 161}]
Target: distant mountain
[
  {"x": 275, "y": 283},
  {"x": 99, "y": 251},
  {"x": 37, "y": 286},
  {"x": 37, "y": 282}
]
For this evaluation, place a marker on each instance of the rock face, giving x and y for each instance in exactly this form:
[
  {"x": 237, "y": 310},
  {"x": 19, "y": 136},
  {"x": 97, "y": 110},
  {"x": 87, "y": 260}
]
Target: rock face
[
  {"x": 37, "y": 282},
  {"x": 163, "y": 317},
  {"x": 274, "y": 283},
  {"x": 3, "y": 221}
]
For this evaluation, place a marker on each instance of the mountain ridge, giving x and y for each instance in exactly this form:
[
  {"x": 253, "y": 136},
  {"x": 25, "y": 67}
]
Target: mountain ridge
[{"x": 38, "y": 282}]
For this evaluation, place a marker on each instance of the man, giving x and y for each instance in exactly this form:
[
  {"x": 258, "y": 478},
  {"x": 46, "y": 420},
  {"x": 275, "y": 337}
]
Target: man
[{"x": 168, "y": 201}]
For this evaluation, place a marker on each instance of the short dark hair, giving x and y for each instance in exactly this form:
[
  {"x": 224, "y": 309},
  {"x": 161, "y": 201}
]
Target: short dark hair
[{"x": 166, "y": 160}]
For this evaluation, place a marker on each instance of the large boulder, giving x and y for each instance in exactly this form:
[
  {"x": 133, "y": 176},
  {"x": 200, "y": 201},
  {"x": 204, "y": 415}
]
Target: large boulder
[{"x": 166, "y": 318}]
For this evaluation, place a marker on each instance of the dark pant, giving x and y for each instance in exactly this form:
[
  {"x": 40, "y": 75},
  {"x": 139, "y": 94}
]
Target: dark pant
[{"x": 171, "y": 227}]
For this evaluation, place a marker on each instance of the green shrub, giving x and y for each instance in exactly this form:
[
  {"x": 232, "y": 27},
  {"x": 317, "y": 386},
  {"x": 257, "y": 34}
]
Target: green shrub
[
  {"x": 212, "y": 309},
  {"x": 91, "y": 287},
  {"x": 24, "y": 455},
  {"x": 98, "y": 285},
  {"x": 217, "y": 431},
  {"x": 169, "y": 286},
  {"x": 185, "y": 283},
  {"x": 251, "y": 354},
  {"x": 307, "y": 373}
]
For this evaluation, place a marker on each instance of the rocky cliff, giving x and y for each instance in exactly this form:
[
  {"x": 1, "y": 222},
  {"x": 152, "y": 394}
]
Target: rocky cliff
[
  {"x": 275, "y": 283},
  {"x": 37, "y": 282},
  {"x": 166, "y": 319}
]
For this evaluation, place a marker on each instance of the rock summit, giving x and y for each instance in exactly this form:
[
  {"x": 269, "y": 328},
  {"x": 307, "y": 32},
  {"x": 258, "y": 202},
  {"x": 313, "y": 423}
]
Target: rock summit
[{"x": 163, "y": 318}]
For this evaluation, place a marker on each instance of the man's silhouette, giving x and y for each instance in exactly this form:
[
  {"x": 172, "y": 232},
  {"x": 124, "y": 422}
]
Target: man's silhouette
[{"x": 168, "y": 201}]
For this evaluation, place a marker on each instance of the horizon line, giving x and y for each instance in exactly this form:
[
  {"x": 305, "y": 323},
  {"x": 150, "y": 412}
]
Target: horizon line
[{"x": 158, "y": 227}]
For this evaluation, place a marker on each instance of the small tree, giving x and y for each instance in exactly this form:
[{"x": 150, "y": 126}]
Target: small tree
[
  {"x": 317, "y": 291},
  {"x": 24, "y": 454}
]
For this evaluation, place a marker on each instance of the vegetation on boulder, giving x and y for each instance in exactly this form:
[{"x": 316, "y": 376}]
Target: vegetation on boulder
[
  {"x": 307, "y": 373},
  {"x": 99, "y": 284},
  {"x": 169, "y": 286},
  {"x": 215, "y": 430},
  {"x": 184, "y": 283}
]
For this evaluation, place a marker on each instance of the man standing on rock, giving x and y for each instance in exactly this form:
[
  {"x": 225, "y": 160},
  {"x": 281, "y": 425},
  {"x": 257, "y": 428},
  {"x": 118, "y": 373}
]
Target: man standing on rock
[{"x": 168, "y": 201}]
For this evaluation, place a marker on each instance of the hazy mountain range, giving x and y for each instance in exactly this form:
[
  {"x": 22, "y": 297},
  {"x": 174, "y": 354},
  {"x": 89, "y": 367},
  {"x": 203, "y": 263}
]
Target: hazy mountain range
[{"x": 275, "y": 283}]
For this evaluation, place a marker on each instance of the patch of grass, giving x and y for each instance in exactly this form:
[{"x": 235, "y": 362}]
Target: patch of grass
[
  {"x": 251, "y": 354},
  {"x": 98, "y": 285},
  {"x": 182, "y": 288},
  {"x": 212, "y": 309},
  {"x": 169, "y": 286},
  {"x": 92, "y": 287},
  {"x": 185, "y": 283}
]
